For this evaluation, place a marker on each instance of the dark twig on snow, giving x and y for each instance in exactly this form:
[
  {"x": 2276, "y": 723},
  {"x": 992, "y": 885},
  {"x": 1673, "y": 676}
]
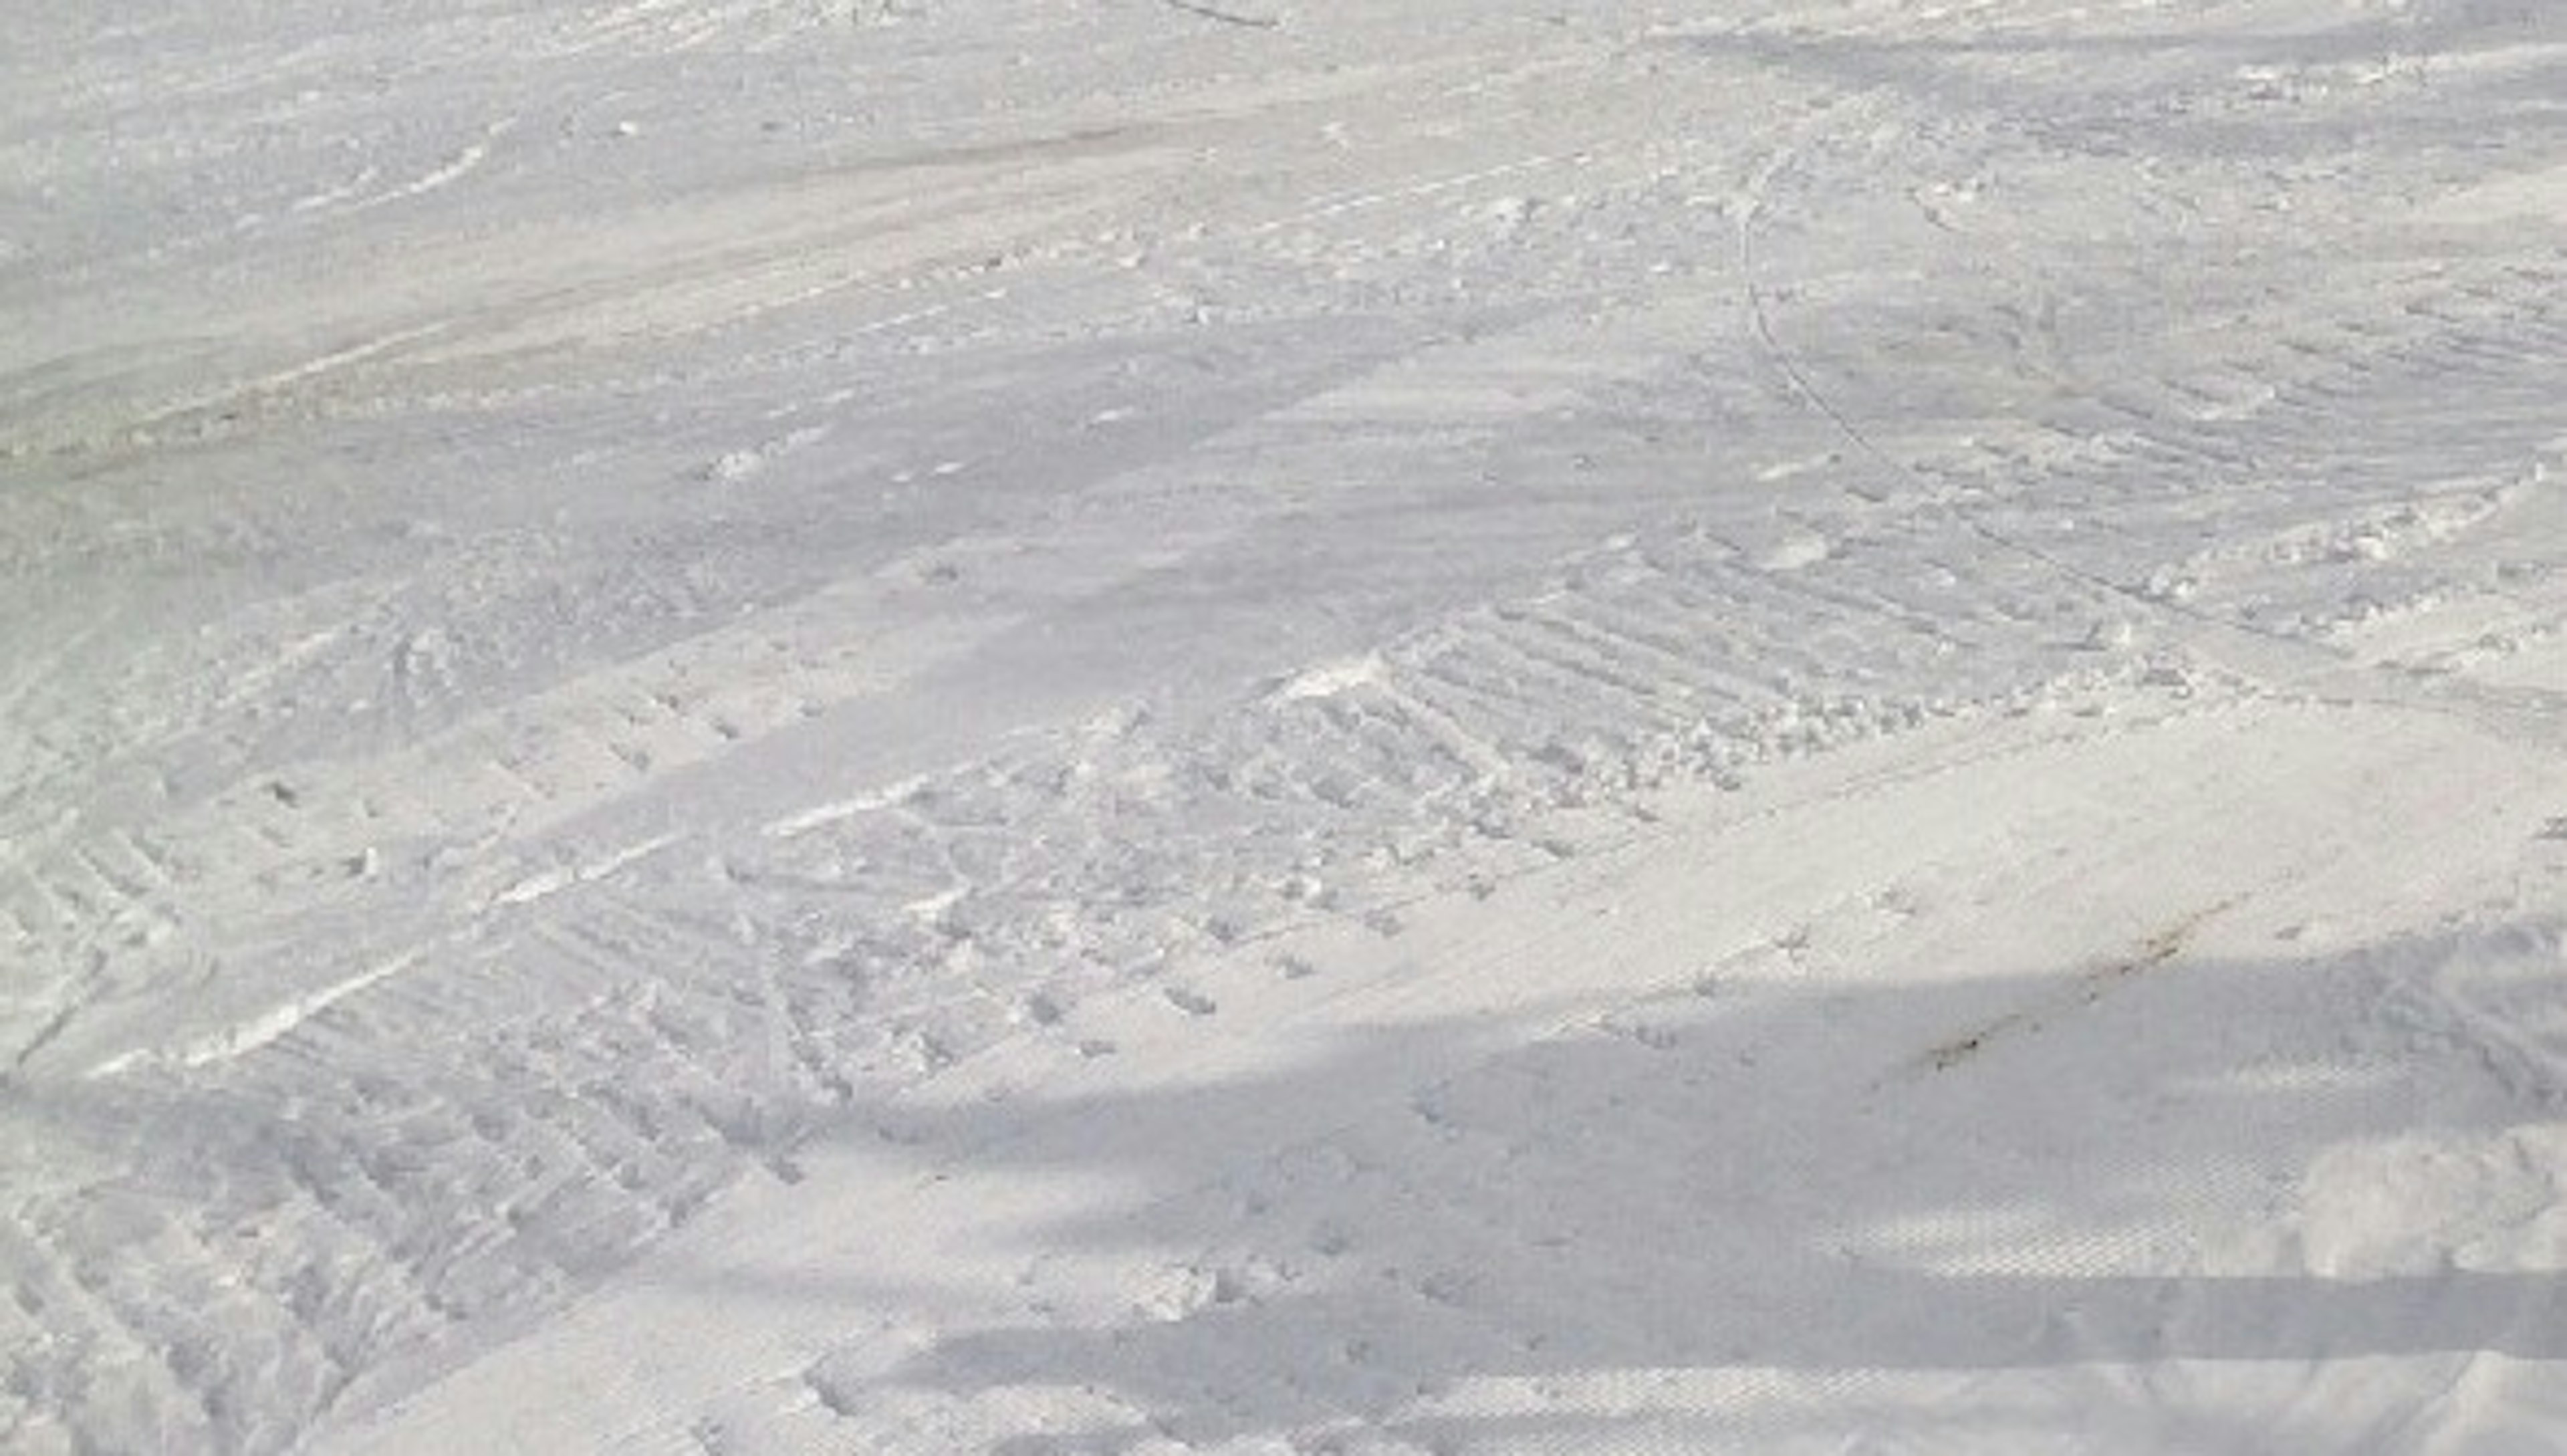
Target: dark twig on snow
[{"x": 1226, "y": 17}]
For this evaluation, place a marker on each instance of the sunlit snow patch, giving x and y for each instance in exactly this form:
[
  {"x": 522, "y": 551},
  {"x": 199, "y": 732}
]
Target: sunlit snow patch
[{"x": 1327, "y": 679}]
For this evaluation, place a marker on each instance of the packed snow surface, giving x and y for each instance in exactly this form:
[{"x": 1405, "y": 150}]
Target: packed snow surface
[{"x": 1283, "y": 726}]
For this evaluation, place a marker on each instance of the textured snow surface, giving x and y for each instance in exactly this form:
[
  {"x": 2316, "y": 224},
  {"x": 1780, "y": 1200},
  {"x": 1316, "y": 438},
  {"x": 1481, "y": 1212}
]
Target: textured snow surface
[{"x": 1283, "y": 726}]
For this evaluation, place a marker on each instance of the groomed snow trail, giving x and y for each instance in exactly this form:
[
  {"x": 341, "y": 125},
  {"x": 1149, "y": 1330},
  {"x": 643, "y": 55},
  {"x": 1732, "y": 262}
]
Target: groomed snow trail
[{"x": 986, "y": 726}]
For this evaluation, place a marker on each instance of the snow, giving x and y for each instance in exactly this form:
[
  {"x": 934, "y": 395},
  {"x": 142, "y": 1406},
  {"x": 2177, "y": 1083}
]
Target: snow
[{"x": 766, "y": 726}]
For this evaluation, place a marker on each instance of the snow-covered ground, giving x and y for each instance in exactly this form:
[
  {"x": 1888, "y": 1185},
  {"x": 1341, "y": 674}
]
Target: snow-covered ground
[{"x": 1366, "y": 726}]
